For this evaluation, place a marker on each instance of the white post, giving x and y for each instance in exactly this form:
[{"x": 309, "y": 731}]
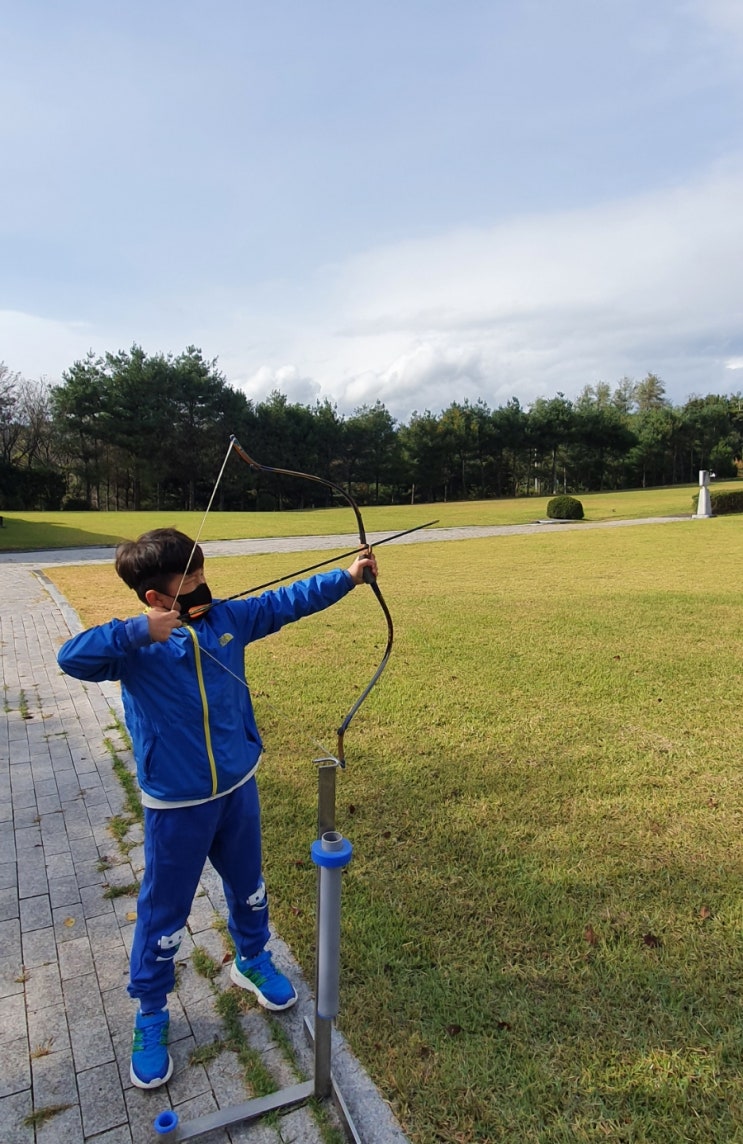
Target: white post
[{"x": 704, "y": 505}]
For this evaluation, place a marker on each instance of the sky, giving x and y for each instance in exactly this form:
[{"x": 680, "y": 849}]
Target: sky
[{"x": 411, "y": 201}]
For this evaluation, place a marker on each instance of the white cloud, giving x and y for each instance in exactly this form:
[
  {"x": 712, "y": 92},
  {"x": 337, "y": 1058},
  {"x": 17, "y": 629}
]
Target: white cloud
[
  {"x": 672, "y": 251},
  {"x": 532, "y": 306},
  {"x": 286, "y": 380},
  {"x": 439, "y": 373}
]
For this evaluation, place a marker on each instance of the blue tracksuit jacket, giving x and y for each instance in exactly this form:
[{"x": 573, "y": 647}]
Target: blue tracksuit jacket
[{"x": 192, "y": 724}]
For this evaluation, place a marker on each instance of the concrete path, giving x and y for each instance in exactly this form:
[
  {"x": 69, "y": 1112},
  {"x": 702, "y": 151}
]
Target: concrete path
[
  {"x": 343, "y": 542},
  {"x": 65, "y": 1017}
]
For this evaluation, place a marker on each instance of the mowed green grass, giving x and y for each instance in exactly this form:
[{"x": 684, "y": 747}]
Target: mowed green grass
[
  {"x": 39, "y": 530},
  {"x": 542, "y": 920}
]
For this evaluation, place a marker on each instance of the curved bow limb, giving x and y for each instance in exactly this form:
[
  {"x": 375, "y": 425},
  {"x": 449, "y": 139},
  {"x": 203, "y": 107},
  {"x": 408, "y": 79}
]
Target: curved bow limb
[{"x": 369, "y": 578}]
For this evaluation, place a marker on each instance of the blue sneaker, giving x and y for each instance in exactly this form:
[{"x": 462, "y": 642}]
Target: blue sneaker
[
  {"x": 151, "y": 1063},
  {"x": 260, "y": 975}
]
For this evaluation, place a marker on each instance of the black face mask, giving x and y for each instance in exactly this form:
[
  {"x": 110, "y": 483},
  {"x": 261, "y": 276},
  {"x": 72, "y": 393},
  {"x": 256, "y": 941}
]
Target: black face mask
[{"x": 200, "y": 597}]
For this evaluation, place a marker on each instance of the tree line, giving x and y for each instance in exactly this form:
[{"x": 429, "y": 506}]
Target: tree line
[{"x": 133, "y": 430}]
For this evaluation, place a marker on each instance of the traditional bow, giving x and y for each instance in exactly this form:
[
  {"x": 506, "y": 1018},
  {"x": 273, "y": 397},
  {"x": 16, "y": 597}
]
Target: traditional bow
[{"x": 369, "y": 578}]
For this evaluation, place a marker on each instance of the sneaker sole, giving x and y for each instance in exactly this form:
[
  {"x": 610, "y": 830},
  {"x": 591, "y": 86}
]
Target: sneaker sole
[
  {"x": 243, "y": 982},
  {"x": 152, "y": 1083}
]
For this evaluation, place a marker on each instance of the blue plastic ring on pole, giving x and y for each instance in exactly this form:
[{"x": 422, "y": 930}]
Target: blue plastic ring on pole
[
  {"x": 166, "y": 1122},
  {"x": 331, "y": 859}
]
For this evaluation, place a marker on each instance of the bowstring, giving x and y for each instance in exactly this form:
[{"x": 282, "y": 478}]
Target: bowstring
[{"x": 203, "y": 522}]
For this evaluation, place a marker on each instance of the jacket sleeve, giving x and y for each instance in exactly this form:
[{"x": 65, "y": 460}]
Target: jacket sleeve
[
  {"x": 102, "y": 653},
  {"x": 265, "y": 614}
]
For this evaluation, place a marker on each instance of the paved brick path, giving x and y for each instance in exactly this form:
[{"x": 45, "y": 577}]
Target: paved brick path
[{"x": 65, "y": 1017}]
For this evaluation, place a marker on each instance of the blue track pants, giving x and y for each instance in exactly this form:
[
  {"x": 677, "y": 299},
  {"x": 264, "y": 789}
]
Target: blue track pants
[{"x": 177, "y": 843}]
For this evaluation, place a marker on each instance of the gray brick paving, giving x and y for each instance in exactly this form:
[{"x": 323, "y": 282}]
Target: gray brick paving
[
  {"x": 16, "y": 1073},
  {"x": 48, "y": 1030},
  {"x": 12, "y": 1018},
  {"x": 13, "y": 1111},
  {"x": 65, "y": 1017}
]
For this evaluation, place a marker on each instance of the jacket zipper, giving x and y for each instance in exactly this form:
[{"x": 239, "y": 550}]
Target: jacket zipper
[{"x": 204, "y": 706}]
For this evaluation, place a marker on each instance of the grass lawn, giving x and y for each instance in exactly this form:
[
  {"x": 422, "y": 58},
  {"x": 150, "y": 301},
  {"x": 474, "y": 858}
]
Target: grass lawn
[
  {"x": 542, "y": 920},
  {"x": 30, "y": 530}
]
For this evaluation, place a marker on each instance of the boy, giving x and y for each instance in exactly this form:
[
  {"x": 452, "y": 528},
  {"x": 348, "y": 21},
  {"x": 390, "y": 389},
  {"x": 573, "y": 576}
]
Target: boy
[{"x": 187, "y": 706}]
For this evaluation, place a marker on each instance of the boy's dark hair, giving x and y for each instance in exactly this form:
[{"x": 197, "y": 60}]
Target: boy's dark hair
[{"x": 150, "y": 561}]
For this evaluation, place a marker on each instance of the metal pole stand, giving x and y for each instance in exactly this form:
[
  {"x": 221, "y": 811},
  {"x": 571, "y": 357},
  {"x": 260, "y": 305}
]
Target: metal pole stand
[{"x": 330, "y": 853}]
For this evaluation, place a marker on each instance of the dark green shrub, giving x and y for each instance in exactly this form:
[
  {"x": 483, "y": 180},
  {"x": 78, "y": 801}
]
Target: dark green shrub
[
  {"x": 564, "y": 508},
  {"x": 726, "y": 500}
]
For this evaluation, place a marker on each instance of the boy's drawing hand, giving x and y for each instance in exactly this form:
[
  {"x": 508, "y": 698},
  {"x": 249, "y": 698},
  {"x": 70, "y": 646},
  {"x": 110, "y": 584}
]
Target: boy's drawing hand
[
  {"x": 360, "y": 563},
  {"x": 161, "y": 623}
]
